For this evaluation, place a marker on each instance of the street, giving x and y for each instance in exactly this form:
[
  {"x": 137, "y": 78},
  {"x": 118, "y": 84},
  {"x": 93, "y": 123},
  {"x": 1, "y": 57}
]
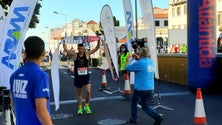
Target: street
[{"x": 114, "y": 109}]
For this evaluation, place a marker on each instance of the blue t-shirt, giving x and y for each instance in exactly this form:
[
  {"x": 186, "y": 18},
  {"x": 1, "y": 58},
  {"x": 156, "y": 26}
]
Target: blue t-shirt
[
  {"x": 144, "y": 73},
  {"x": 27, "y": 84}
]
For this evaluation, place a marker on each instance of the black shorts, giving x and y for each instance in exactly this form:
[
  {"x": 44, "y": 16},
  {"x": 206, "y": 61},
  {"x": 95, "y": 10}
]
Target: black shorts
[{"x": 79, "y": 82}]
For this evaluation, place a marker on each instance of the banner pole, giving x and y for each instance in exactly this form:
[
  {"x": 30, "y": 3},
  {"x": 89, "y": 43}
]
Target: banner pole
[{"x": 136, "y": 19}]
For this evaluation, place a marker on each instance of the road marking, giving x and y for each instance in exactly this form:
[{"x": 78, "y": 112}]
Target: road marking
[
  {"x": 65, "y": 72},
  {"x": 92, "y": 100},
  {"x": 173, "y": 94},
  {"x": 72, "y": 77},
  {"x": 107, "y": 92},
  {"x": 119, "y": 97},
  {"x": 60, "y": 67}
]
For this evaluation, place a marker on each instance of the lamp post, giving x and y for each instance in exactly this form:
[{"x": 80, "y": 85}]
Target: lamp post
[
  {"x": 65, "y": 20},
  {"x": 136, "y": 19},
  {"x": 48, "y": 37}
]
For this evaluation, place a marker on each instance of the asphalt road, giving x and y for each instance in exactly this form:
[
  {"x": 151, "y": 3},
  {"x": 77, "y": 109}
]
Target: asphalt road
[{"x": 114, "y": 109}]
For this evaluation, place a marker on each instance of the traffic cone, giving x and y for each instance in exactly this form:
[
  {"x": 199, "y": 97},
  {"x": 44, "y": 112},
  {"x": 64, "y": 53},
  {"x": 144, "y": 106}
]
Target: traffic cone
[
  {"x": 127, "y": 90},
  {"x": 199, "y": 115},
  {"x": 104, "y": 82}
]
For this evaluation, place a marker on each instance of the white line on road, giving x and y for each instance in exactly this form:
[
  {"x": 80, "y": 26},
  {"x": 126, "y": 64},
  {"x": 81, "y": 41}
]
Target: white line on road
[{"x": 119, "y": 97}]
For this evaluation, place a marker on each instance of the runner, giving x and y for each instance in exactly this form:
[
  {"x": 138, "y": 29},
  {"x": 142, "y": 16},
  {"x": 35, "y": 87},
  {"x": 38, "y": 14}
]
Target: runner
[{"x": 81, "y": 60}]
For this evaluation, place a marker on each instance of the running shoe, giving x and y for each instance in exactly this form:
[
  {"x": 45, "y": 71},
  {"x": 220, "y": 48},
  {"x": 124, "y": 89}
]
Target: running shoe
[
  {"x": 79, "y": 111},
  {"x": 87, "y": 110}
]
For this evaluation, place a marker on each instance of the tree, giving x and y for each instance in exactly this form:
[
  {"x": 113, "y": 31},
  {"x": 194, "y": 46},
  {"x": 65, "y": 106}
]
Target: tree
[
  {"x": 115, "y": 21},
  {"x": 35, "y": 20}
]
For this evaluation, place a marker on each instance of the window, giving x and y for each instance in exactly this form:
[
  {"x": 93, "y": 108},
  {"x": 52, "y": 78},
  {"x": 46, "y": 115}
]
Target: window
[
  {"x": 185, "y": 26},
  {"x": 165, "y": 22},
  {"x": 185, "y": 9},
  {"x": 157, "y": 23},
  {"x": 178, "y": 11},
  {"x": 173, "y": 13},
  {"x": 220, "y": 19}
]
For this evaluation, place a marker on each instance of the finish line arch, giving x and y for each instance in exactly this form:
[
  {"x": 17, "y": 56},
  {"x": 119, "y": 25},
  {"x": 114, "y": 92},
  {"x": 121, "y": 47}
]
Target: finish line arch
[{"x": 202, "y": 49}]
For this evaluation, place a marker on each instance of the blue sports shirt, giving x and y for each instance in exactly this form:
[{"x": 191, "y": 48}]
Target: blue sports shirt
[
  {"x": 144, "y": 73},
  {"x": 27, "y": 84}
]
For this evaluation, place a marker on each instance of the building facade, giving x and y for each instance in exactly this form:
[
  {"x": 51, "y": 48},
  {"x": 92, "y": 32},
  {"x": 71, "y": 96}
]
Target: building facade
[
  {"x": 219, "y": 16},
  {"x": 177, "y": 22},
  {"x": 161, "y": 23},
  {"x": 177, "y": 16},
  {"x": 161, "y": 26},
  {"x": 72, "y": 30}
]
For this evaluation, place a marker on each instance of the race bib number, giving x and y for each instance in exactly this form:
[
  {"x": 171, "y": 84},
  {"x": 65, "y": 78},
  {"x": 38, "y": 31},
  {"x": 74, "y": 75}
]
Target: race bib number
[{"x": 82, "y": 71}]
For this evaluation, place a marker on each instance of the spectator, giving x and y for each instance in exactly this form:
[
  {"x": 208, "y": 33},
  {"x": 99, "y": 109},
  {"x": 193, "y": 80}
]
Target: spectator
[
  {"x": 50, "y": 55},
  {"x": 29, "y": 86},
  {"x": 219, "y": 43},
  {"x": 184, "y": 48},
  {"x": 124, "y": 53}
]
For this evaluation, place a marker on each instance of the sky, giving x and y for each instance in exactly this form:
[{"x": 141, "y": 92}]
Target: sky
[{"x": 85, "y": 10}]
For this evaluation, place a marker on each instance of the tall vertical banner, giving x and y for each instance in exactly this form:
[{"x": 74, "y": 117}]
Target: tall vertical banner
[
  {"x": 2, "y": 21},
  {"x": 55, "y": 74},
  {"x": 129, "y": 23},
  {"x": 201, "y": 43},
  {"x": 128, "y": 12},
  {"x": 148, "y": 20},
  {"x": 16, "y": 25},
  {"x": 55, "y": 77},
  {"x": 106, "y": 18}
]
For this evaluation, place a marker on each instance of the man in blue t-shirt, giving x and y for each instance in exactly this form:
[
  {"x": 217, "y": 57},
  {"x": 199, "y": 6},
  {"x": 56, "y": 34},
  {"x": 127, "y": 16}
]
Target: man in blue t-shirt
[
  {"x": 29, "y": 86},
  {"x": 143, "y": 85}
]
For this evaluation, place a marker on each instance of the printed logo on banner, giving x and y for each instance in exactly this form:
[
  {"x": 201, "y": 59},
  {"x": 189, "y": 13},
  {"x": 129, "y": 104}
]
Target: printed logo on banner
[
  {"x": 129, "y": 22},
  {"x": 13, "y": 37},
  {"x": 207, "y": 42},
  {"x": 1, "y": 18}
]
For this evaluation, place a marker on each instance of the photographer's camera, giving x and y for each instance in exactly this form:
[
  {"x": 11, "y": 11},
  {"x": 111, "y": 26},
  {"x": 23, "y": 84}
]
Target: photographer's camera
[{"x": 138, "y": 43}]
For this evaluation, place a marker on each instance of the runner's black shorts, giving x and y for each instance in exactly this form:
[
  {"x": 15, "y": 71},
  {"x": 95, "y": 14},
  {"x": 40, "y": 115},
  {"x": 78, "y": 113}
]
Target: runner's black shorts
[{"x": 81, "y": 81}]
